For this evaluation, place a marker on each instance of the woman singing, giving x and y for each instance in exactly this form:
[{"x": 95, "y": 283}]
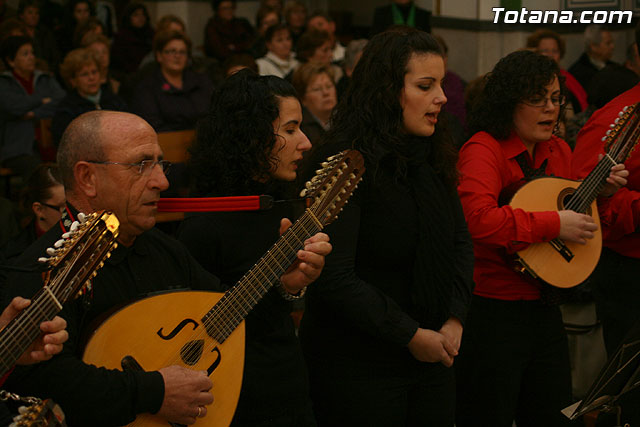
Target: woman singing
[
  {"x": 250, "y": 143},
  {"x": 384, "y": 321},
  {"x": 514, "y": 361}
]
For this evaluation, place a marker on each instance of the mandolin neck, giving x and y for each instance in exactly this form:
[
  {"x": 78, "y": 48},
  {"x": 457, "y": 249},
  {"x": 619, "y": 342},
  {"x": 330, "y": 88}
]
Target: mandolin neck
[
  {"x": 592, "y": 185},
  {"x": 234, "y": 306},
  {"x": 16, "y": 337}
]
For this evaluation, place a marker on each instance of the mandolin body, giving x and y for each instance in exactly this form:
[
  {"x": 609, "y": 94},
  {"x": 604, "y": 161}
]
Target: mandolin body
[
  {"x": 543, "y": 260},
  {"x": 165, "y": 330}
]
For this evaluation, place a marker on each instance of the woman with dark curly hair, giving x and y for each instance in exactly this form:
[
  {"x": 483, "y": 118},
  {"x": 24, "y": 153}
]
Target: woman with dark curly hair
[
  {"x": 250, "y": 143},
  {"x": 514, "y": 361},
  {"x": 134, "y": 40},
  {"x": 383, "y": 323}
]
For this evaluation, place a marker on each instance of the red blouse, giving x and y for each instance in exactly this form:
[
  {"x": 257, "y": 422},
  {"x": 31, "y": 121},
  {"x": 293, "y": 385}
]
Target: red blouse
[{"x": 487, "y": 167}]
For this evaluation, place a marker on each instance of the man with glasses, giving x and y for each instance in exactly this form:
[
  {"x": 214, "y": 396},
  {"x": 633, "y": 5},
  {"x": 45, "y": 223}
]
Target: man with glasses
[{"x": 112, "y": 161}]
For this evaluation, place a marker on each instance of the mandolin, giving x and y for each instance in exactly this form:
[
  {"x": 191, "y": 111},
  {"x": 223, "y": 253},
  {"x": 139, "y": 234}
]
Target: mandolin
[
  {"x": 72, "y": 263},
  {"x": 205, "y": 330},
  {"x": 42, "y": 414},
  {"x": 567, "y": 264}
]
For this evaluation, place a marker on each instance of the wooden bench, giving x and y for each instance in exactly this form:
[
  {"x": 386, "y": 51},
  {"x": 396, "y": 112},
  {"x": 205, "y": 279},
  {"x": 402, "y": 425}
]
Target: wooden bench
[{"x": 175, "y": 147}]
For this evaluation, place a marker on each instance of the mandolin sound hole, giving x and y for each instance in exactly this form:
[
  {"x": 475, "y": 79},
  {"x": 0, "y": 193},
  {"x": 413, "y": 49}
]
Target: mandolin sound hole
[
  {"x": 191, "y": 352},
  {"x": 566, "y": 197}
]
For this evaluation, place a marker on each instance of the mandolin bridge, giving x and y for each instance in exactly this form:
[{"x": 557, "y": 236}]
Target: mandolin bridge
[{"x": 562, "y": 249}]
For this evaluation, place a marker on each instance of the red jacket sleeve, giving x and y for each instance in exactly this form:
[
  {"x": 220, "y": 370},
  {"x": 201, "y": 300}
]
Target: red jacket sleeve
[{"x": 483, "y": 175}]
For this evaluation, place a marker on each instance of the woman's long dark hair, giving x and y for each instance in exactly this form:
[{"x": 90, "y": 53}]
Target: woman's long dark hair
[
  {"x": 235, "y": 140},
  {"x": 369, "y": 116},
  {"x": 516, "y": 77}
]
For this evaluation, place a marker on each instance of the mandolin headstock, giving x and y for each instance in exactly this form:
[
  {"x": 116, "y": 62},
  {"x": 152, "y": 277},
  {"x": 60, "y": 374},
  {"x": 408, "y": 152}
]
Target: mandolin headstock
[
  {"x": 75, "y": 258},
  {"x": 333, "y": 184},
  {"x": 624, "y": 132}
]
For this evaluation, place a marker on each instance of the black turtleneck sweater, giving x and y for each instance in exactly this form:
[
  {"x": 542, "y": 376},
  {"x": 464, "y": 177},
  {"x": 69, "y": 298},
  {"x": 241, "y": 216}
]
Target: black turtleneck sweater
[{"x": 228, "y": 244}]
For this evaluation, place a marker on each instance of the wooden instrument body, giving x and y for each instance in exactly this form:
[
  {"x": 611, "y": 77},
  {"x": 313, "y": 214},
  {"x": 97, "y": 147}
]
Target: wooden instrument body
[
  {"x": 154, "y": 331},
  {"x": 542, "y": 260}
]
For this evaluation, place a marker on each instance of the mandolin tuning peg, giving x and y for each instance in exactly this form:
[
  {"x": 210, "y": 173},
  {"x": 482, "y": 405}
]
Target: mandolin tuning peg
[
  {"x": 74, "y": 226},
  {"x": 50, "y": 251},
  {"x": 338, "y": 199},
  {"x": 82, "y": 217},
  {"x": 101, "y": 265},
  {"x": 115, "y": 245},
  {"x": 604, "y": 139},
  {"x": 303, "y": 193},
  {"x": 324, "y": 164},
  {"x": 352, "y": 176},
  {"x": 43, "y": 259},
  {"x": 621, "y": 113},
  {"x": 108, "y": 255},
  {"x": 612, "y": 126},
  {"x": 58, "y": 243},
  {"x": 343, "y": 190}
]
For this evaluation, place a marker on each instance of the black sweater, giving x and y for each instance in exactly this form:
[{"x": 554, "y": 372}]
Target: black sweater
[
  {"x": 227, "y": 245},
  {"x": 359, "y": 314}
]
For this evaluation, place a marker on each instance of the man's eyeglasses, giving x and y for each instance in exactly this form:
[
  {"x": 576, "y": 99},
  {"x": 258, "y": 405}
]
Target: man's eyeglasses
[
  {"x": 539, "y": 101},
  {"x": 144, "y": 167}
]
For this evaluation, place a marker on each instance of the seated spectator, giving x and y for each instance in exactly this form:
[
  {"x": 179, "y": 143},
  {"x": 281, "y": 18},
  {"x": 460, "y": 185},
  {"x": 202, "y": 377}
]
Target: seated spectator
[
  {"x": 225, "y": 34},
  {"x": 92, "y": 27},
  {"x": 100, "y": 47},
  {"x": 44, "y": 43},
  {"x": 28, "y": 95},
  {"x": 165, "y": 23},
  {"x": 315, "y": 46},
  {"x": 400, "y": 12},
  {"x": 315, "y": 86},
  {"x": 265, "y": 18},
  {"x": 76, "y": 14},
  {"x": 549, "y": 43},
  {"x": 81, "y": 72},
  {"x": 295, "y": 16},
  {"x": 351, "y": 57},
  {"x": 324, "y": 22},
  {"x": 598, "y": 50},
  {"x": 174, "y": 97},
  {"x": 279, "y": 60},
  {"x": 238, "y": 62},
  {"x": 44, "y": 200},
  {"x": 133, "y": 41}
]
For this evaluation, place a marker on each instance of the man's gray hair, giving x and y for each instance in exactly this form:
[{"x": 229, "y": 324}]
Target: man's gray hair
[
  {"x": 81, "y": 141},
  {"x": 592, "y": 35}
]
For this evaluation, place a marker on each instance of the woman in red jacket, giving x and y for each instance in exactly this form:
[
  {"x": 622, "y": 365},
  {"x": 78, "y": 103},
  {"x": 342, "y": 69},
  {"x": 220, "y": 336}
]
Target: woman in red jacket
[{"x": 514, "y": 361}]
